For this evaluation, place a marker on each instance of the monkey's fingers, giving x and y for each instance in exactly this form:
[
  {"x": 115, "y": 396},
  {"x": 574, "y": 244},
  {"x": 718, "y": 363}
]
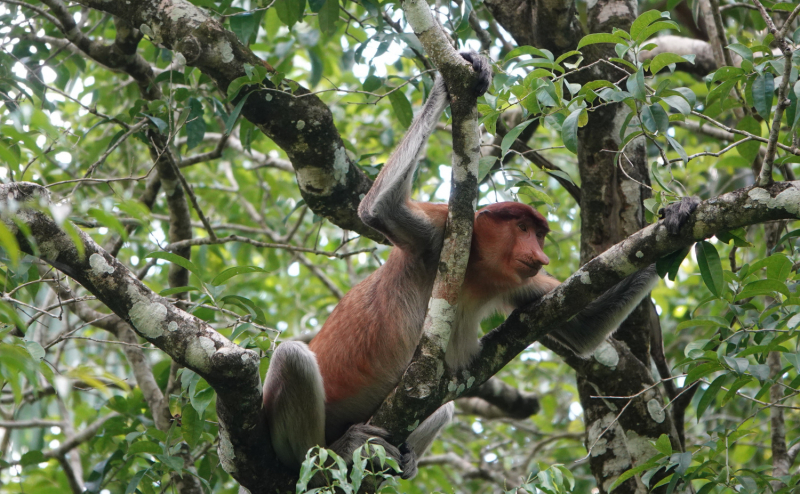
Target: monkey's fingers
[
  {"x": 677, "y": 214},
  {"x": 482, "y": 66},
  {"x": 408, "y": 462}
]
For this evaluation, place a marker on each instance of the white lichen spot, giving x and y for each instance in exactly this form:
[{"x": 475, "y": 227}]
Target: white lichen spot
[
  {"x": 225, "y": 51},
  {"x": 300, "y": 125},
  {"x": 145, "y": 29},
  {"x": 413, "y": 426},
  {"x": 226, "y": 452},
  {"x": 585, "y": 278},
  {"x": 656, "y": 410},
  {"x": 418, "y": 15},
  {"x": 639, "y": 254},
  {"x": 470, "y": 382},
  {"x": 172, "y": 326},
  {"x": 451, "y": 386},
  {"x": 460, "y": 389},
  {"x": 639, "y": 446},
  {"x": 148, "y": 317},
  {"x": 788, "y": 200},
  {"x": 759, "y": 195},
  {"x": 316, "y": 180},
  {"x": 99, "y": 265},
  {"x": 268, "y": 97},
  {"x": 441, "y": 312},
  {"x": 340, "y": 165},
  {"x": 199, "y": 352},
  {"x": 600, "y": 447},
  {"x": 169, "y": 186},
  {"x": 607, "y": 355}
]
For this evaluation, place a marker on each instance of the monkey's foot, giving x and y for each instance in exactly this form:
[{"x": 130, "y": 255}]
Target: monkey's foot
[
  {"x": 677, "y": 214},
  {"x": 482, "y": 66},
  {"x": 359, "y": 434}
]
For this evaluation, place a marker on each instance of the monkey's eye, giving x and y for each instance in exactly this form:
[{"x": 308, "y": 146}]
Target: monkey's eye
[
  {"x": 523, "y": 227},
  {"x": 540, "y": 235}
]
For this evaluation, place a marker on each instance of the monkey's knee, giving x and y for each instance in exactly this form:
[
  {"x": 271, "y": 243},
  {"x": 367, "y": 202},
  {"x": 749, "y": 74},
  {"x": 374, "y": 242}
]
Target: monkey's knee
[{"x": 294, "y": 402}]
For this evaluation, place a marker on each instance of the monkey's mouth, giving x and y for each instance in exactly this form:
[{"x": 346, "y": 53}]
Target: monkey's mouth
[{"x": 533, "y": 266}]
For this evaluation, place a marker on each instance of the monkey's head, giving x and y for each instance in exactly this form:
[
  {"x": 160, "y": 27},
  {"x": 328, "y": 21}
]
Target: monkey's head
[{"x": 507, "y": 244}]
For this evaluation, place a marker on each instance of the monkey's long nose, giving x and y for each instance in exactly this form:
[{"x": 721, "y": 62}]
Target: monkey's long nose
[{"x": 540, "y": 257}]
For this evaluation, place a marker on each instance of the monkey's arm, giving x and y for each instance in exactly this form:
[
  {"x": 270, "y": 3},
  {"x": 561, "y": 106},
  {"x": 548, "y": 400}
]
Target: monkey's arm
[
  {"x": 591, "y": 326},
  {"x": 387, "y": 207}
]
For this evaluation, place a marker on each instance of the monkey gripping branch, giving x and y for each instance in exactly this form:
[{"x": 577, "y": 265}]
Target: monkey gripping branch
[{"x": 233, "y": 371}]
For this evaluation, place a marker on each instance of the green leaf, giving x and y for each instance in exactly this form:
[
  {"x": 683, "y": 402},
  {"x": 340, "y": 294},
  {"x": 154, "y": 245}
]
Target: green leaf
[
  {"x": 709, "y": 394},
  {"x": 175, "y": 259},
  {"x": 248, "y": 305},
  {"x": 109, "y": 221},
  {"x": 662, "y": 60},
  {"x": 235, "y": 271},
  {"x": 195, "y": 124},
  {"x": 704, "y": 321},
  {"x": 244, "y": 26},
  {"x": 178, "y": 289},
  {"x": 643, "y": 20},
  {"x": 654, "y": 118},
  {"x": 702, "y": 370},
  {"x": 669, "y": 264},
  {"x": 749, "y": 150},
  {"x": 290, "y": 11},
  {"x": 329, "y": 17},
  {"x": 763, "y": 89},
  {"x": 528, "y": 50},
  {"x": 485, "y": 166},
  {"x": 663, "y": 445},
  {"x": 741, "y": 50},
  {"x": 678, "y": 149},
  {"x": 235, "y": 114},
  {"x": 679, "y": 103},
  {"x": 371, "y": 83},
  {"x": 134, "y": 482},
  {"x": 763, "y": 287},
  {"x": 569, "y": 130},
  {"x": 511, "y": 136},
  {"x": 635, "y": 85},
  {"x": 654, "y": 28},
  {"x": 593, "y": 39},
  {"x": 192, "y": 425},
  {"x": 710, "y": 267},
  {"x": 10, "y": 244},
  {"x": 316, "y": 5},
  {"x": 402, "y": 107}
]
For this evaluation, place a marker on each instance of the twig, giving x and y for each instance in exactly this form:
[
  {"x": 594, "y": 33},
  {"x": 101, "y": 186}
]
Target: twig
[{"x": 268, "y": 245}]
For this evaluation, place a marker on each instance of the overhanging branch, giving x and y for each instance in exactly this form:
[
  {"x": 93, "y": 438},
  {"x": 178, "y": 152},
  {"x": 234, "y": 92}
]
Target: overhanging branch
[
  {"x": 231, "y": 370},
  {"x": 743, "y": 207}
]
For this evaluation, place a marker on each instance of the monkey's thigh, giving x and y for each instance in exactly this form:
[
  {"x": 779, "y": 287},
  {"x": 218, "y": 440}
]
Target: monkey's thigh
[{"x": 294, "y": 402}]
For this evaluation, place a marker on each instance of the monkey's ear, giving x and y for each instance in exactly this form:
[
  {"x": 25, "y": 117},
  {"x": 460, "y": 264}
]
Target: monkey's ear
[
  {"x": 677, "y": 214},
  {"x": 482, "y": 66}
]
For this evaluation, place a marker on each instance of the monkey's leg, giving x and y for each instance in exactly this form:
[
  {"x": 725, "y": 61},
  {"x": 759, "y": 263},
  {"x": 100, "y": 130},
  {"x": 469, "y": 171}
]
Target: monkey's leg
[
  {"x": 422, "y": 437},
  {"x": 294, "y": 402}
]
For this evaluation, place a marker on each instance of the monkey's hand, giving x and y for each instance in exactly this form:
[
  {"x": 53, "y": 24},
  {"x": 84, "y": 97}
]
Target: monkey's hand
[
  {"x": 677, "y": 214},
  {"x": 358, "y": 434},
  {"x": 482, "y": 66}
]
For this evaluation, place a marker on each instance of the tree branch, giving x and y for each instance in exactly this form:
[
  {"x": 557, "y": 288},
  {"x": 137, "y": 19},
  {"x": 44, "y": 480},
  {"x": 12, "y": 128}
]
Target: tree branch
[
  {"x": 742, "y": 207},
  {"x": 300, "y": 123},
  {"x": 232, "y": 371}
]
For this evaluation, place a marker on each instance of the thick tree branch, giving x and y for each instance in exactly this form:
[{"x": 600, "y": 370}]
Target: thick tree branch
[
  {"x": 300, "y": 123},
  {"x": 748, "y": 206},
  {"x": 231, "y": 370},
  {"x": 427, "y": 365}
]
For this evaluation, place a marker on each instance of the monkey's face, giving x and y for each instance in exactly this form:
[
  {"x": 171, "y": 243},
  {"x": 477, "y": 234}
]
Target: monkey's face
[{"x": 507, "y": 245}]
